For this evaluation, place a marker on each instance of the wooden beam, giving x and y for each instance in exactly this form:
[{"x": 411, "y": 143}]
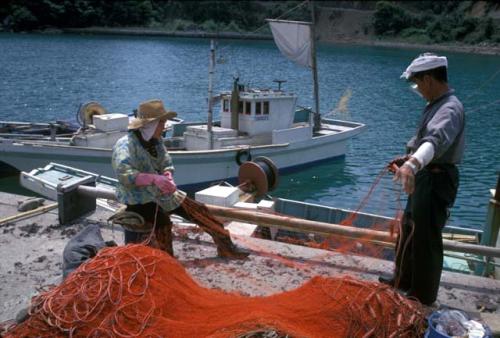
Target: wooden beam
[
  {"x": 29, "y": 213},
  {"x": 304, "y": 225}
]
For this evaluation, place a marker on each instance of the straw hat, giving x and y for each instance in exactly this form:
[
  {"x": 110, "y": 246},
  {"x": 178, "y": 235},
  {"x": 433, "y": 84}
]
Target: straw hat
[{"x": 150, "y": 111}]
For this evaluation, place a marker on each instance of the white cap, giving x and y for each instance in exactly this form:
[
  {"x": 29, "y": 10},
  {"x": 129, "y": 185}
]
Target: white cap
[{"x": 424, "y": 62}]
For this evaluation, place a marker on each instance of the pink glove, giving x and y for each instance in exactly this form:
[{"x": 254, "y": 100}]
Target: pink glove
[
  {"x": 169, "y": 175},
  {"x": 166, "y": 185}
]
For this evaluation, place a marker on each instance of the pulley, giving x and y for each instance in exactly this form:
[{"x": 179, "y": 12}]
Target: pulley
[
  {"x": 87, "y": 112},
  {"x": 258, "y": 176}
]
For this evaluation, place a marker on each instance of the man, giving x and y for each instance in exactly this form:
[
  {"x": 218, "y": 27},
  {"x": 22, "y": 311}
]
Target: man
[
  {"x": 146, "y": 186},
  {"x": 429, "y": 176}
]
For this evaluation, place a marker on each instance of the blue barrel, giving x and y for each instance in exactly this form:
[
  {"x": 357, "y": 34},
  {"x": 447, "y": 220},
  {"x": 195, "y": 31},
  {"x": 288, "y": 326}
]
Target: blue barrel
[{"x": 433, "y": 333}]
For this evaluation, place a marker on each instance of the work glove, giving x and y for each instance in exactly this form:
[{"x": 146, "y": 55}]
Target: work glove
[
  {"x": 164, "y": 183},
  {"x": 170, "y": 176},
  {"x": 396, "y": 163}
]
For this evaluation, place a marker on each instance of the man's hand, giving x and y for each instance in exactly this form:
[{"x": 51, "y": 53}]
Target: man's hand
[
  {"x": 406, "y": 175},
  {"x": 407, "y": 179},
  {"x": 396, "y": 163}
]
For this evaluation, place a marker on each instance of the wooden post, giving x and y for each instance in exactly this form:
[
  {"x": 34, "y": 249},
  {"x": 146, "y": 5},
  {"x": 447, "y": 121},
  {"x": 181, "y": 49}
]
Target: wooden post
[
  {"x": 491, "y": 227},
  {"x": 210, "y": 94},
  {"x": 314, "y": 66}
]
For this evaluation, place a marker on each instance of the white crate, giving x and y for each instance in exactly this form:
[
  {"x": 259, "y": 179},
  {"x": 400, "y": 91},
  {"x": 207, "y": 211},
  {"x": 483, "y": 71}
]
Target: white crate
[
  {"x": 109, "y": 122},
  {"x": 219, "y": 195},
  {"x": 265, "y": 205}
]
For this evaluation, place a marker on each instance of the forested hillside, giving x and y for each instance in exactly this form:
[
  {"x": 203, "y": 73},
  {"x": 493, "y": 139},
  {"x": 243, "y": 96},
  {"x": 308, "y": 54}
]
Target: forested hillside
[
  {"x": 439, "y": 21},
  {"x": 469, "y": 22},
  {"x": 174, "y": 15}
]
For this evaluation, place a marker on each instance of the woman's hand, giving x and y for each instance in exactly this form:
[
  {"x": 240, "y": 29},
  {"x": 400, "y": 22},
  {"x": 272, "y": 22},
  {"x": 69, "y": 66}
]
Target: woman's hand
[{"x": 164, "y": 183}]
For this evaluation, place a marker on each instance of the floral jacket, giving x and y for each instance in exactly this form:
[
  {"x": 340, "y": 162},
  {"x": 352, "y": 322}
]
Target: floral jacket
[{"x": 129, "y": 159}]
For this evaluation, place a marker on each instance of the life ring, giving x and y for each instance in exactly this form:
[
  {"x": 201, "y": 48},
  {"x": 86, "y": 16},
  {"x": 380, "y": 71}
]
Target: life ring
[{"x": 243, "y": 155}]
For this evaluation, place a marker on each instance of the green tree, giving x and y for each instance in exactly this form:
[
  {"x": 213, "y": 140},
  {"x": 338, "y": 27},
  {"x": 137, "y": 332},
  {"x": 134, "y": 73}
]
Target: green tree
[
  {"x": 22, "y": 19},
  {"x": 130, "y": 13},
  {"x": 390, "y": 19}
]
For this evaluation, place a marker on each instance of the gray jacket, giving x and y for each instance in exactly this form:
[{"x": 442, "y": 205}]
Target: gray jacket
[{"x": 442, "y": 124}]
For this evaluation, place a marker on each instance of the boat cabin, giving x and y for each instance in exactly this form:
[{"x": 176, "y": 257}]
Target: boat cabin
[
  {"x": 259, "y": 111},
  {"x": 256, "y": 117}
]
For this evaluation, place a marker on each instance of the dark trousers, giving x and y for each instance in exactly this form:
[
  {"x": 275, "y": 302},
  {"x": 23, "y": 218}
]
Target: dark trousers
[
  {"x": 152, "y": 215},
  {"x": 419, "y": 254},
  {"x": 163, "y": 229}
]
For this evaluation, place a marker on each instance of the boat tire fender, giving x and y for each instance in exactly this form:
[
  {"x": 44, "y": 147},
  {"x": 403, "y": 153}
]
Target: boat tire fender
[{"x": 243, "y": 155}]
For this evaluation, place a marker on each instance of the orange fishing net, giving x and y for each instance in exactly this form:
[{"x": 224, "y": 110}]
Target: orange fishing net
[
  {"x": 366, "y": 245},
  {"x": 138, "y": 291}
]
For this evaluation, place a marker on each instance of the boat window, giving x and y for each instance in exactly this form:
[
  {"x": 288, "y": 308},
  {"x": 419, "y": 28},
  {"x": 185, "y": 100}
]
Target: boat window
[
  {"x": 225, "y": 105},
  {"x": 258, "y": 108},
  {"x": 248, "y": 108},
  {"x": 240, "y": 107},
  {"x": 266, "y": 107}
]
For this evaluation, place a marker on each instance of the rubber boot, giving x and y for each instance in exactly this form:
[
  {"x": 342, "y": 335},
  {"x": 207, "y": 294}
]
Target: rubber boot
[
  {"x": 199, "y": 214},
  {"x": 227, "y": 249},
  {"x": 391, "y": 281},
  {"x": 134, "y": 237}
]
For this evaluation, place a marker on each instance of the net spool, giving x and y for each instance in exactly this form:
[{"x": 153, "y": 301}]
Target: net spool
[
  {"x": 87, "y": 112},
  {"x": 258, "y": 176}
]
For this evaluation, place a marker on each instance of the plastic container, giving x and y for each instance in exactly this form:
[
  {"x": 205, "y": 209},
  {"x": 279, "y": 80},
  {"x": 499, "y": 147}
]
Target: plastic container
[{"x": 431, "y": 331}]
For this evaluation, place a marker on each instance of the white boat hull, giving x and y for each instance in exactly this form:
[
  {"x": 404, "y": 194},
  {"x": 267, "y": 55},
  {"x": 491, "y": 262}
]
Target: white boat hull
[{"x": 191, "y": 167}]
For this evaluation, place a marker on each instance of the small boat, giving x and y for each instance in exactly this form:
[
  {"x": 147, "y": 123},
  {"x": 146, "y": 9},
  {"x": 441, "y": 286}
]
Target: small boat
[
  {"x": 55, "y": 180},
  {"x": 254, "y": 122}
]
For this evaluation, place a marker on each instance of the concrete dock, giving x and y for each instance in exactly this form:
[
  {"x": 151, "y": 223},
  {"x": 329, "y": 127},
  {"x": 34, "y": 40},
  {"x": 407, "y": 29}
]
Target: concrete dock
[{"x": 31, "y": 251}]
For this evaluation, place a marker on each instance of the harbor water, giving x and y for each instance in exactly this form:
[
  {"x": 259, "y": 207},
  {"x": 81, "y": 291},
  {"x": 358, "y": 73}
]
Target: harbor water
[{"x": 46, "y": 78}]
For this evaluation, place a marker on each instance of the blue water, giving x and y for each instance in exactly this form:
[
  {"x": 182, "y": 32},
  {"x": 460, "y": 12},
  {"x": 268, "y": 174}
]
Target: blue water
[{"x": 47, "y": 77}]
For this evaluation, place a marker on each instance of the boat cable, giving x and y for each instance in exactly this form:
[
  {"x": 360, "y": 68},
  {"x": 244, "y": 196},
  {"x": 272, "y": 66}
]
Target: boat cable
[
  {"x": 250, "y": 34},
  {"x": 482, "y": 107},
  {"x": 475, "y": 92}
]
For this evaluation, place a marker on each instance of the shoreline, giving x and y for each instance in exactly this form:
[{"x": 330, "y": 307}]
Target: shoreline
[
  {"x": 482, "y": 48},
  {"x": 135, "y": 31}
]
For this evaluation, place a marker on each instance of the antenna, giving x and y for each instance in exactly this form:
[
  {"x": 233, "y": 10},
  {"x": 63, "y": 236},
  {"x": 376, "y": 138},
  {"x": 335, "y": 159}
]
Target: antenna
[{"x": 279, "y": 83}]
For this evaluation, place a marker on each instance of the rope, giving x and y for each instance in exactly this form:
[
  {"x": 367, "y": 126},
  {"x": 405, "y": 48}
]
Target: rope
[
  {"x": 247, "y": 35},
  {"x": 483, "y": 106},
  {"x": 474, "y": 93}
]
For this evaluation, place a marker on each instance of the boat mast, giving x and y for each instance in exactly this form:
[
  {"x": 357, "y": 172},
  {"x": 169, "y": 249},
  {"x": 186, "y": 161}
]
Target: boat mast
[
  {"x": 210, "y": 94},
  {"x": 314, "y": 68}
]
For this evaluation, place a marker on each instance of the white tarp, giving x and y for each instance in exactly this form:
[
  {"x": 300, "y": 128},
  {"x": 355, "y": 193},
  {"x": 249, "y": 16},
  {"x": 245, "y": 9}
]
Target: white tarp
[{"x": 293, "y": 40}]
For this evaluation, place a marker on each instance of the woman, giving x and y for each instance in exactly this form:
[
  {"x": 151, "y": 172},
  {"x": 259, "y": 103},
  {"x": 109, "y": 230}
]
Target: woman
[{"x": 146, "y": 186}]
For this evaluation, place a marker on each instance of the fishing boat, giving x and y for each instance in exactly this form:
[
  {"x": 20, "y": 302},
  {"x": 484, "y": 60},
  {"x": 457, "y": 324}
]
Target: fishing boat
[
  {"x": 254, "y": 122},
  {"x": 466, "y": 250}
]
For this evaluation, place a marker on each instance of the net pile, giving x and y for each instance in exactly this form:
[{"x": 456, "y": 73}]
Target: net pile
[{"x": 137, "y": 291}]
